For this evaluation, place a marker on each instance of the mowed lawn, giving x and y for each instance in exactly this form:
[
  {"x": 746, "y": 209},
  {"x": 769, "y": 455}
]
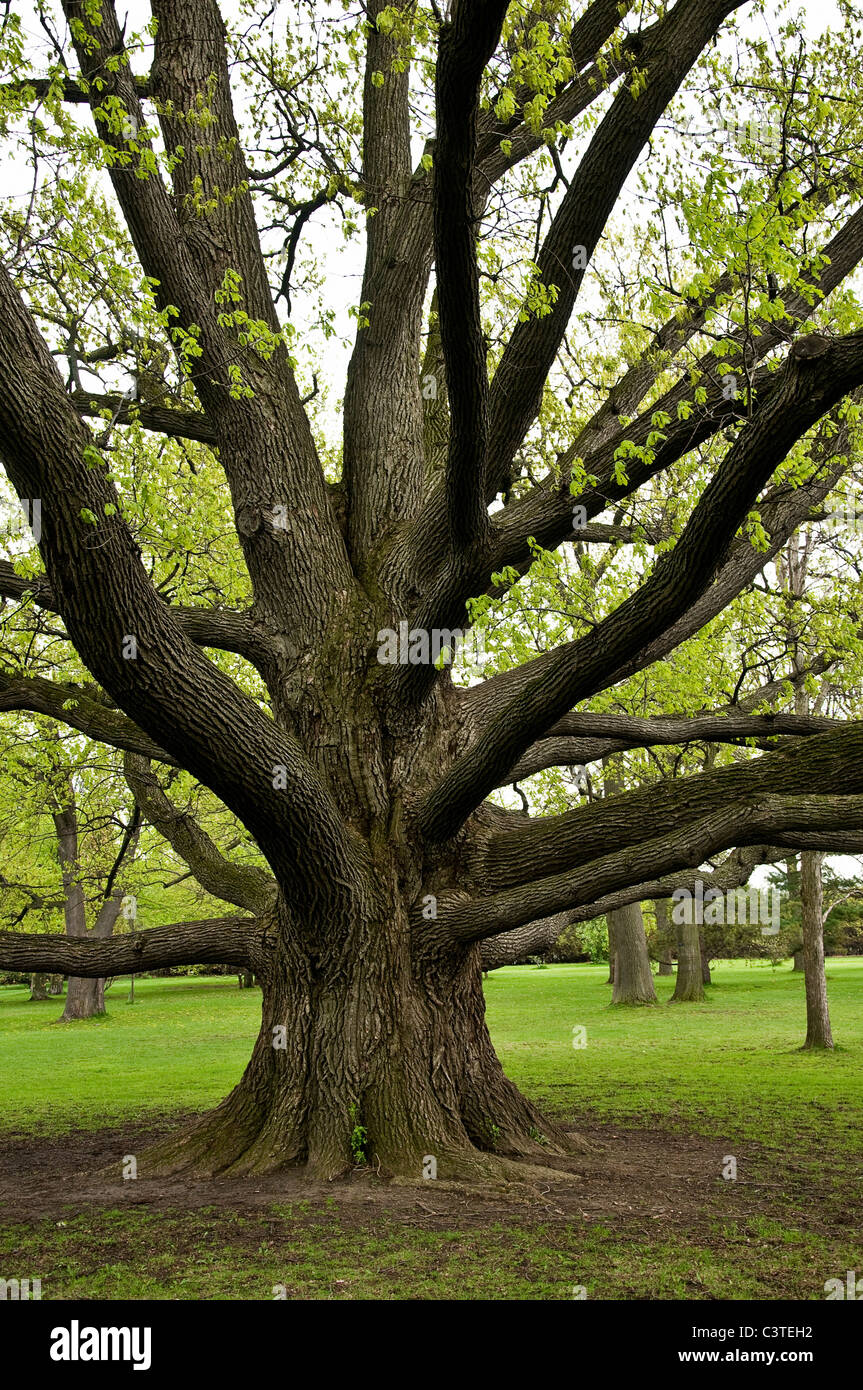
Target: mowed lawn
[
  {"x": 729, "y": 1069},
  {"x": 731, "y": 1064}
]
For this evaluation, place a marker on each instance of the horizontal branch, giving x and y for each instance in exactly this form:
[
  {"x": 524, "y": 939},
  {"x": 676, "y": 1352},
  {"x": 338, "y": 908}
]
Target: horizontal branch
[
  {"x": 68, "y": 88},
  {"x": 79, "y": 709},
  {"x": 523, "y": 849},
  {"x": 511, "y": 946},
  {"x": 732, "y": 873},
  {"x": 221, "y": 628},
  {"x": 214, "y": 941},
  {"x": 765, "y": 818},
  {"x": 585, "y": 738},
  {"x": 532, "y": 939},
  {"x": 176, "y": 424}
]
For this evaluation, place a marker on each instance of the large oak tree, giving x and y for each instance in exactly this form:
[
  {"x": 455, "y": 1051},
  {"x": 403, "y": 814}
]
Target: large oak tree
[{"x": 368, "y": 786}]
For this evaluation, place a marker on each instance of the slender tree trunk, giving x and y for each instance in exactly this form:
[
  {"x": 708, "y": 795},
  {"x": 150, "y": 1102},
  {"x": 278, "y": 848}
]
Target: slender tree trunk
[
  {"x": 689, "y": 985},
  {"x": 611, "y": 948},
  {"x": 663, "y": 937},
  {"x": 633, "y": 978},
  {"x": 38, "y": 987},
  {"x": 818, "y": 1033},
  {"x": 793, "y": 874},
  {"x": 705, "y": 961},
  {"x": 84, "y": 998}
]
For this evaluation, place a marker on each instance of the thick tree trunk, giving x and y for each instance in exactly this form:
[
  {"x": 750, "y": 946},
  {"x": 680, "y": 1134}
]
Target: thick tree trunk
[
  {"x": 818, "y": 1032},
  {"x": 369, "y": 1059},
  {"x": 798, "y": 959},
  {"x": 633, "y": 978},
  {"x": 689, "y": 985},
  {"x": 55, "y": 985},
  {"x": 84, "y": 999},
  {"x": 38, "y": 987},
  {"x": 664, "y": 944}
]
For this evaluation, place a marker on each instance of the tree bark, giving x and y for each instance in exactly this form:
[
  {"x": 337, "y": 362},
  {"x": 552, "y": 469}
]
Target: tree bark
[
  {"x": 56, "y": 985},
  {"x": 818, "y": 1031},
  {"x": 84, "y": 999},
  {"x": 705, "y": 961},
  {"x": 633, "y": 978},
  {"x": 664, "y": 943},
  {"x": 384, "y": 1062},
  {"x": 689, "y": 986},
  {"x": 38, "y": 987}
]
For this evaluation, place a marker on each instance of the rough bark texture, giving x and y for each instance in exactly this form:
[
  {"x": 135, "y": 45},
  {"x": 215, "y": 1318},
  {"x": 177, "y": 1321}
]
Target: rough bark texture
[
  {"x": 818, "y": 1032},
  {"x": 664, "y": 938},
  {"x": 84, "y": 999},
  {"x": 633, "y": 978},
  {"x": 689, "y": 986},
  {"x": 705, "y": 961},
  {"x": 370, "y": 1058}
]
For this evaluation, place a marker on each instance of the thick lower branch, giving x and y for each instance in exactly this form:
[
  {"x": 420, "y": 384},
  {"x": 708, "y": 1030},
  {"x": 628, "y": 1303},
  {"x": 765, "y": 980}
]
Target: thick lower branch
[
  {"x": 215, "y": 941},
  {"x": 743, "y": 823}
]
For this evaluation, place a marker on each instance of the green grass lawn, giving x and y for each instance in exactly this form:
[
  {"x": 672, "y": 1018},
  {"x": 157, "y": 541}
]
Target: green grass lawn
[
  {"x": 729, "y": 1068},
  {"x": 732, "y": 1062}
]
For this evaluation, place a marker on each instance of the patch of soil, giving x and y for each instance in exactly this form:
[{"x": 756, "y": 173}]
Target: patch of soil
[{"x": 630, "y": 1179}]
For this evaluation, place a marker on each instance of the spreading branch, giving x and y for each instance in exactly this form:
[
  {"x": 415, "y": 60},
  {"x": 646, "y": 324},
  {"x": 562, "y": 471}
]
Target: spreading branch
[
  {"x": 214, "y": 941},
  {"x": 246, "y": 885},
  {"x": 465, "y": 46},
  {"x": 804, "y": 392}
]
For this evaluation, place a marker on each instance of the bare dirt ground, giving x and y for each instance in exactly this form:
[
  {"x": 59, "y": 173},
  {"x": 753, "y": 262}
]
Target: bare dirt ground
[{"x": 632, "y": 1177}]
